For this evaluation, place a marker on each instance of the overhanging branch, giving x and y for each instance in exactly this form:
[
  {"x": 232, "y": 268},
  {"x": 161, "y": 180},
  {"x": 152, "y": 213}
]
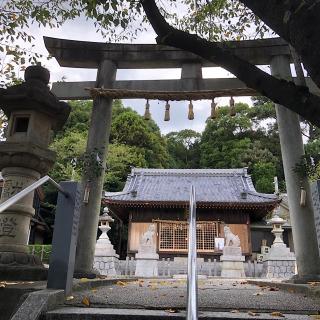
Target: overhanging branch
[{"x": 286, "y": 93}]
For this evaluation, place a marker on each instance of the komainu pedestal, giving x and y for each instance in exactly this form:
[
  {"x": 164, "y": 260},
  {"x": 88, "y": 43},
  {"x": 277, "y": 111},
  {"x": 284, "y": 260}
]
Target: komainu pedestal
[
  {"x": 147, "y": 257},
  {"x": 232, "y": 263},
  {"x": 232, "y": 259}
]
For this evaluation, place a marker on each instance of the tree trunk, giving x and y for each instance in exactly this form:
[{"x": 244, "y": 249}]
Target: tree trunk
[{"x": 297, "y": 22}]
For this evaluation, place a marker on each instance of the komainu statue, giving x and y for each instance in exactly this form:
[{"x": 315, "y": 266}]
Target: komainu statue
[
  {"x": 147, "y": 237},
  {"x": 232, "y": 240}
]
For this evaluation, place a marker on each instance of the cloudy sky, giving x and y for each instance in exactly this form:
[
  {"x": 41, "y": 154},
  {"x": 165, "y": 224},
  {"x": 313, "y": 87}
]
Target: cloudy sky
[{"x": 84, "y": 30}]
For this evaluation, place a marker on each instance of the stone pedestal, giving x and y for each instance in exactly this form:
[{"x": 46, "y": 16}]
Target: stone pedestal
[
  {"x": 106, "y": 261},
  {"x": 232, "y": 263},
  {"x": 147, "y": 262}
]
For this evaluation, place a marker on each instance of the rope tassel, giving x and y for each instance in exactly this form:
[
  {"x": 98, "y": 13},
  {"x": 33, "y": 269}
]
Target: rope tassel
[
  {"x": 213, "y": 110},
  {"x": 232, "y": 107},
  {"x": 190, "y": 113},
  {"x": 147, "y": 114},
  {"x": 167, "y": 112}
]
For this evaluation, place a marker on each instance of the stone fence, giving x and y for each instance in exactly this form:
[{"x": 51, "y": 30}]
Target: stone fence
[{"x": 178, "y": 266}]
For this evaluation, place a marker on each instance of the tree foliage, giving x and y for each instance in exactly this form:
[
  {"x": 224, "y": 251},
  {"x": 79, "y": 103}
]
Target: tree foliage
[
  {"x": 183, "y": 148},
  {"x": 243, "y": 141},
  {"x": 133, "y": 143}
]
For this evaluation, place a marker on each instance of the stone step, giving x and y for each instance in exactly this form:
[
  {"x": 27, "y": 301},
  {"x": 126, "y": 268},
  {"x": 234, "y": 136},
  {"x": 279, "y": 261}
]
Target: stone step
[{"x": 80, "y": 313}]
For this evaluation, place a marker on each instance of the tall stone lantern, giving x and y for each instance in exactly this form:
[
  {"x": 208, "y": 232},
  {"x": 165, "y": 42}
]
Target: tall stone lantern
[
  {"x": 33, "y": 113},
  {"x": 279, "y": 262},
  {"x": 106, "y": 261}
]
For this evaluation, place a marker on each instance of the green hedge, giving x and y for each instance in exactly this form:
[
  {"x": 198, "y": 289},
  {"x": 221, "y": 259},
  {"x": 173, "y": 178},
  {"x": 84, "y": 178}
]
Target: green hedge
[{"x": 43, "y": 251}]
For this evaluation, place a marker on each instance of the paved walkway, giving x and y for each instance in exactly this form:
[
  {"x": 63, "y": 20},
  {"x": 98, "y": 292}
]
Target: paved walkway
[{"x": 214, "y": 295}]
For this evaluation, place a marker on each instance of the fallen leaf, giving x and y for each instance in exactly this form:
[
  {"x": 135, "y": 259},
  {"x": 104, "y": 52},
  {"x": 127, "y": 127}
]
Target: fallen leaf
[
  {"x": 86, "y": 301},
  {"x": 84, "y": 279},
  {"x": 243, "y": 282},
  {"x": 313, "y": 283},
  {"x": 181, "y": 296},
  {"x": 171, "y": 311},
  {"x": 68, "y": 298},
  {"x": 140, "y": 284},
  {"x": 253, "y": 313},
  {"x": 277, "y": 314},
  {"x": 235, "y": 311},
  {"x": 121, "y": 283},
  {"x": 94, "y": 290}
]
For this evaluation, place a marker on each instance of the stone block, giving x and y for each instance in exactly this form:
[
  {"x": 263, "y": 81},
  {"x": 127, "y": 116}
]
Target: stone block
[{"x": 146, "y": 268}]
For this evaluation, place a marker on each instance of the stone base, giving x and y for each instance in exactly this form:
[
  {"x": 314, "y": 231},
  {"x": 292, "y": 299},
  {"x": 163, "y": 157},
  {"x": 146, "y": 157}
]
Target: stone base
[
  {"x": 147, "y": 268},
  {"x": 232, "y": 269},
  {"x": 297, "y": 279},
  {"x": 21, "y": 267},
  {"x": 106, "y": 266},
  {"x": 283, "y": 269},
  {"x": 23, "y": 273},
  {"x": 92, "y": 274},
  {"x": 185, "y": 276}
]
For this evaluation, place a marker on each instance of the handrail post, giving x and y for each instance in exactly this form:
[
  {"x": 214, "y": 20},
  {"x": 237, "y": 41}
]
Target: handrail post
[{"x": 192, "y": 300}]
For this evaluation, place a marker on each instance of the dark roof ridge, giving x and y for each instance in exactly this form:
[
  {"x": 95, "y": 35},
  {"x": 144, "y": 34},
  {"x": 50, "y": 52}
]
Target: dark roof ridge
[{"x": 199, "y": 172}]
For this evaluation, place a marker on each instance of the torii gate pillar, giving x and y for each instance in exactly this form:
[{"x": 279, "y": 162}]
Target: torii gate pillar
[
  {"x": 302, "y": 219},
  {"x": 97, "y": 146}
]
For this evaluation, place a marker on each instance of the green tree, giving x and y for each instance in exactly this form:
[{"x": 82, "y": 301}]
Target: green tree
[
  {"x": 183, "y": 148},
  {"x": 131, "y": 129},
  {"x": 240, "y": 141},
  {"x": 121, "y": 158},
  {"x": 262, "y": 175},
  {"x": 134, "y": 142}
]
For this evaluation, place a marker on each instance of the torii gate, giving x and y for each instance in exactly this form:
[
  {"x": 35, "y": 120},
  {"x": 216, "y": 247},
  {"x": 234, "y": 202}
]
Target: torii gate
[{"x": 107, "y": 58}]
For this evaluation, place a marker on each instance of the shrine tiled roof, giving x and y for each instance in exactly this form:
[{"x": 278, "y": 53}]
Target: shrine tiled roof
[{"x": 213, "y": 186}]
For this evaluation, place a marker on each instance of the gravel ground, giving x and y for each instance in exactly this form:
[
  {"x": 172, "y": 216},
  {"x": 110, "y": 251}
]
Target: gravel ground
[{"x": 214, "y": 294}]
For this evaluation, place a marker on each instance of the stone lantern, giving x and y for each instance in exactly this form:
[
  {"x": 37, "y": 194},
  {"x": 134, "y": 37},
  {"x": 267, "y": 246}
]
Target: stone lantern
[
  {"x": 279, "y": 262},
  {"x": 105, "y": 258},
  {"x": 33, "y": 113},
  {"x": 277, "y": 230}
]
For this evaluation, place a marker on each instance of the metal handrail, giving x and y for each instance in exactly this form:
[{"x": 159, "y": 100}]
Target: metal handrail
[
  {"x": 8, "y": 203},
  {"x": 192, "y": 302}
]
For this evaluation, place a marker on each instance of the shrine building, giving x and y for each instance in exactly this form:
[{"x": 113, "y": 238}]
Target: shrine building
[{"x": 161, "y": 196}]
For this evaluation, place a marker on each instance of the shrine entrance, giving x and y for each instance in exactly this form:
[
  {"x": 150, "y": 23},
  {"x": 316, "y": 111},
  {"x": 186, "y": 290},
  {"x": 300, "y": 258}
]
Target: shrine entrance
[{"x": 107, "y": 58}]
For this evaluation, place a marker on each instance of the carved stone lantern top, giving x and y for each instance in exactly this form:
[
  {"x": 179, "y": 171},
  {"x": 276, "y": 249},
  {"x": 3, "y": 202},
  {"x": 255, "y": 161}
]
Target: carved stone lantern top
[
  {"x": 103, "y": 219},
  {"x": 34, "y": 94},
  {"x": 33, "y": 112}
]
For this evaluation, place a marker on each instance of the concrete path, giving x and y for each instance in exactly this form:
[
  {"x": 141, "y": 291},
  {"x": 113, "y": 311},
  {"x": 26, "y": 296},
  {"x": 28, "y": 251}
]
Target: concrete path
[{"x": 214, "y": 295}]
